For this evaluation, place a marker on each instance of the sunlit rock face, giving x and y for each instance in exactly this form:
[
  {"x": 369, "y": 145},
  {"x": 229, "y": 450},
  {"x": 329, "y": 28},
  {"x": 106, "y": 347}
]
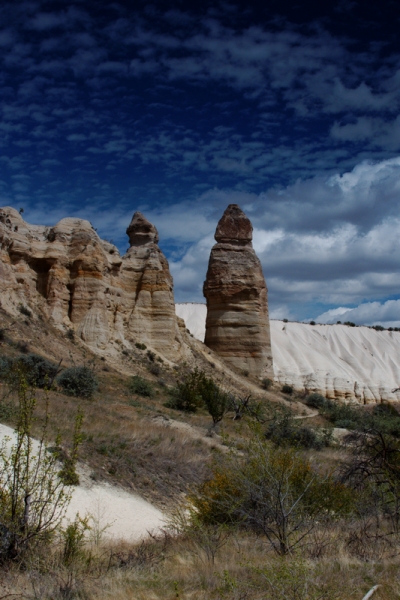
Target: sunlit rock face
[
  {"x": 237, "y": 324},
  {"x": 79, "y": 280}
]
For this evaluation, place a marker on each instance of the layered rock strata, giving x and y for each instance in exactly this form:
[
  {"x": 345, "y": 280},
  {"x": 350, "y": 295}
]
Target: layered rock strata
[
  {"x": 237, "y": 323},
  {"x": 80, "y": 281}
]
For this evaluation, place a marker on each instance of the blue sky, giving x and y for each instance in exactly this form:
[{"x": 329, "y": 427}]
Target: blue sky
[{"x": 178, "y": 109}]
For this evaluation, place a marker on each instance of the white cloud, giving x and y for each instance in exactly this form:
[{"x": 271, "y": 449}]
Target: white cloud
[
  {"x": 333, "y": 241},
  {"x": 369, "y": 313}
]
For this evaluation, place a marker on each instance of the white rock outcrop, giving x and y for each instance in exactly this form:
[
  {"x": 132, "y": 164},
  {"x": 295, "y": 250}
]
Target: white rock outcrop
[{"x": 352, "y": 364}]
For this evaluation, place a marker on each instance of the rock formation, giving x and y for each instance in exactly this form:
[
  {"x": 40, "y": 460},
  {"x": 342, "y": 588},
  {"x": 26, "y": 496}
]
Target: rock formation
[
  {"x": 80, "y": 281},
  {"x": 237, "y": 324}
]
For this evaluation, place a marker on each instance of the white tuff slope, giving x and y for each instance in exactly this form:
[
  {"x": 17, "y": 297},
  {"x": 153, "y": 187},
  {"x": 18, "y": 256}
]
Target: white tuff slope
[
  {"x": 348, "y": 363},
  {"x": 118, "y": 513}
]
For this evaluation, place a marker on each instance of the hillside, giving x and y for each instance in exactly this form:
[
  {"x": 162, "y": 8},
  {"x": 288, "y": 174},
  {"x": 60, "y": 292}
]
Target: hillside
[{"x": 348, "y": 363}]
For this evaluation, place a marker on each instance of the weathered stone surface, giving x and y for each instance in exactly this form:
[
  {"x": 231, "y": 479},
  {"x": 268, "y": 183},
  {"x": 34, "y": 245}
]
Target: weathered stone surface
[
  {"x": 81, "y": 281},
  {"x": 237, "y": 324}
]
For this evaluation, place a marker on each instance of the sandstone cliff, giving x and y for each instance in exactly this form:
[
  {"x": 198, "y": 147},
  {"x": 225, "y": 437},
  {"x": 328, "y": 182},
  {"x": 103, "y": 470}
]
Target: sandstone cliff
[
  {"x": 237, "y": 324},
  {"x": 80, "y": 281}
]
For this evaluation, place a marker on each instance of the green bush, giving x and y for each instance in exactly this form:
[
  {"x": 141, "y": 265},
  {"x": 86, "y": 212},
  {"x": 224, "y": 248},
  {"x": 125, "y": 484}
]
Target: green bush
[
  {"x": 272, "y": 491},
  {"x": 139, "y": 385},
  {"x": 287, "y": 389},
  {"x": 4, "y": 367},
  {"x": 315, "y": 400},
  {"x": 37, "y": 371},
  {"x": 383, "y": 418},
  {"x": 197, "y": 390},
  {"x": 216, "y": 401},
  {"x": 266, "y": 383},
  {"x": 140, "y": 346},
  {"x": 78, "y": 381},
  {"x": 186, "y": 395},
  {"x": 285, "y": 431}
]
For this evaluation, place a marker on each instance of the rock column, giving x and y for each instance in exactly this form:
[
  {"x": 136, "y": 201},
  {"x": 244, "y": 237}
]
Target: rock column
[{"x": 237, "y": 324}]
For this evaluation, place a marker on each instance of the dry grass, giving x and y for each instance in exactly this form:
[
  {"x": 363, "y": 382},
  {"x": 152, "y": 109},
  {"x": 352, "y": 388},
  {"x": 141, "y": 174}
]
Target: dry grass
[
  {"x": 163, "y": 569},
  {"x": 124, "y": 445}
]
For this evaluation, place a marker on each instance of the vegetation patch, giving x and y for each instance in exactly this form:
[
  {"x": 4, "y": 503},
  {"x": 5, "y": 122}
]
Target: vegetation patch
[
  {"x": 285, "y": 431},
  {"x": 36, "y": 370},
  {"x": 142, "y": 387},
  {"x": 382, "y": 417},
  {"x": 78, "y": 381}
]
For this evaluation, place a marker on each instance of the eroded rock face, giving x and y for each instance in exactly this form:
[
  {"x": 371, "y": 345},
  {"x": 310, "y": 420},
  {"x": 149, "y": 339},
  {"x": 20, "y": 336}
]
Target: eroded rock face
[
  {"x": 237, "y": 324},
  {"x": 81, "y": 281}
]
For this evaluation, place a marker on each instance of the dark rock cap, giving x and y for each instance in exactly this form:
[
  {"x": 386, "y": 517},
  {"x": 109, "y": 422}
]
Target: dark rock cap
[
  {"x": 141, "y": 231},
  {"x": 234, "y": 226}
]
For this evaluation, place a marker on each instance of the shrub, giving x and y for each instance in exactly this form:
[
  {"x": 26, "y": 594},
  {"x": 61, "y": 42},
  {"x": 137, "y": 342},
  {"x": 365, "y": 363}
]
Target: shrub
[
  {"x": 349, "y": 324},
  {"x": 151, "y": 355},
  {"x": 266, "y": 383},
  {"x": 312, "y": 322},
  {"x": 186, "y": 395},
  {"x": 70, "y": 335},
  {"x": 216, "y": 401},
  {"x": 197, "y": 390},
  {"x": 272, "y": 491},
  {"x": 285, "y": 431},
  {"x": 287, "y": 389},
  {"x": 78, "y": 381},
  {"x": 33, "y": 498},
  {"x": 384, "y": 417},
  {"x": 36, "y": 370},
  {"x": 139, "y": 385},
  {"x": 315, "y": 400},
  {"x": 344, "y": 415},
  {"x": 68, "y": 473},
  {"x": 140, "y": 346},
  {"x": 4, "y": 367},
  {"x": 154, "y": 369},
  {"x": 24, "y": 310}
]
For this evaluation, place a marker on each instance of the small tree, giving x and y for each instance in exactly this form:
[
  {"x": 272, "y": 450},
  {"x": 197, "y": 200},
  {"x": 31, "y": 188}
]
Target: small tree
[
  {"x": 33, "y": 499},
  {"x": 375, "y": 470},
  {"x": 273, "y": 491},
  {"x": 215, "y": 399},
  {"x": 186, "y": 395}
]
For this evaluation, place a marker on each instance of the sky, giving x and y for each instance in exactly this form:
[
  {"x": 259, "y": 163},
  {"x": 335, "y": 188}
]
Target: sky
[{"x": 177, "y": 109}]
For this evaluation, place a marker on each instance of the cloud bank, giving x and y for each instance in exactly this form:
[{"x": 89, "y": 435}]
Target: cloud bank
[{"x": 323, "y": 241}]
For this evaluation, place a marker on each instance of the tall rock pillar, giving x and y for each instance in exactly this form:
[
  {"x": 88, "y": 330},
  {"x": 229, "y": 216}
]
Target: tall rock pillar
[
  {"x": 146, "y": 278},
  {"x": 237, "y": 325}
]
